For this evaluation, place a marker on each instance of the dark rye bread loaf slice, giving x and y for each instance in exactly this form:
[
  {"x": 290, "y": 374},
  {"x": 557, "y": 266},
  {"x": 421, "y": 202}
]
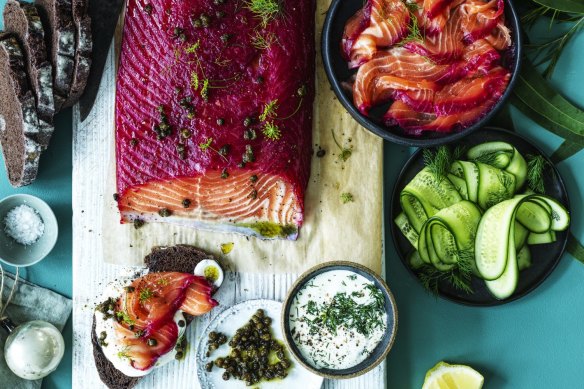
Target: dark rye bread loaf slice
[
  {"x": 181, "y": 258},
  {"x": 22, "y": 20},
  {"x": 19, "y": 124},
  {"x": 83, "y": 50},
  {"x": 57, "y": 17}
]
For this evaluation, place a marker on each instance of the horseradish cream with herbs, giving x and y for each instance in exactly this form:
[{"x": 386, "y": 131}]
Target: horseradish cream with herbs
[{"x": 337, "y": 319}]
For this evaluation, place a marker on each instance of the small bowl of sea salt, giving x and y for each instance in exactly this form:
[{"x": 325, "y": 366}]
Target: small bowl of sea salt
[{"x": 28, "y": 230}]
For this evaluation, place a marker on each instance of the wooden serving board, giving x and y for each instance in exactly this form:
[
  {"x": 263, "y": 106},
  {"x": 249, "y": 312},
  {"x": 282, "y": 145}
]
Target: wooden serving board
[{"x": 92, "y": 149}]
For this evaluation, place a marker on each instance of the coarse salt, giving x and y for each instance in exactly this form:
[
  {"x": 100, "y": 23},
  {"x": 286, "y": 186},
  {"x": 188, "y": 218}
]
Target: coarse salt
[{"x": 24, "y": 225}]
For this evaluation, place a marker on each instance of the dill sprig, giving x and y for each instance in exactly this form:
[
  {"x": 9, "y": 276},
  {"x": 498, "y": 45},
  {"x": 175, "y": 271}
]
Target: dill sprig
[
  {"x": 124, "y": 353},
  {"x": 536, "y": 167},
  {"x": 269, "y": 110},
  {"x": 460, "y": 276},
  {"x": 263, "y": 41},
  {"x": 265, "y": 10},
  {"x": 414, "y": 32},
  {"x": 439, "y": 161},
  {"x": 345, "y": 153},
  {"x": 271, "y": 131},
  {"x": 124, "y": 318}
]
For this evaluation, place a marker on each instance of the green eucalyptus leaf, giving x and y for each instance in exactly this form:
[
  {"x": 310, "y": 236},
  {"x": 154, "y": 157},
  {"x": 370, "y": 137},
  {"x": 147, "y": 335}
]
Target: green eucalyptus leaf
[
  {"x": 570, "y": 6},
  {"x": 536, "y": 98},
  {"x": 575, "y": 248},
  {"x": 565, "y": 151}
]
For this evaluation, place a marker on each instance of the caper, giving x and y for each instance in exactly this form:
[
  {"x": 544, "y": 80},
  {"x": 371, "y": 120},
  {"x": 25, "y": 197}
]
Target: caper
[
  {"x": 209, "y": 366},
  {"x": 152, "y": 342}
]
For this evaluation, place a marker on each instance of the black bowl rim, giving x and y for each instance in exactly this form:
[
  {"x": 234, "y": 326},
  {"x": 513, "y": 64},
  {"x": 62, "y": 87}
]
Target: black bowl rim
[
  {"x": 351, "y": 372},
  {"x": 494, "y": 302},
  {"x": 385, "y": 132}
]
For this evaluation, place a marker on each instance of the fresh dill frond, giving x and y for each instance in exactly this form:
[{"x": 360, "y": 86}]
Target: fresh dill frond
[
  {"x": 414, "y": 32},
  {"x": 347, "y": 198},
  {"x": 265, "y": 10},
  {"x": 206, "y": 145},
  {"x": 271, "y": 131},
  {"x": 269, "y": 110},
  {"x": 460, "y": 276},
  {"x": 263, "y": 41},
  {"x": 438, "y": 162},
  {"x": 487, "y": 158},
  {"x": 345, "y": 153},
  {"x": 536, "y": 167}
]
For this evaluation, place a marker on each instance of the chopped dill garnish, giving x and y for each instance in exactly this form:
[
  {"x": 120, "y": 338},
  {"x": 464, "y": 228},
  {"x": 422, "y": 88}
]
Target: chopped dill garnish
[
  {"x": 124, "y": 318},
  {"x": 205, "y": 146},
  {"x": 193, "y": 48},
  {"x": 265, "y": 10},
  {"x": 195, "y": 80},
  {"x": 271, "y": 131},
  {"x": 345, "y": 152},
  {"x": 124, "y": 353},
  {"x": 536, "y": 166},
  {"x": 205, "y": 89},
  {"x": 269, "y": 110},
  {"x": 162, "y": 281},
  {"x": 145, "y": 294},
  {"x": 344, "y": 312},
  {"x": 347, "y": 198}
]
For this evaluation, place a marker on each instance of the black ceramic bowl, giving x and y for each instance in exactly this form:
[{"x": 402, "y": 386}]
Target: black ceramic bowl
[
  {"x": 338, "y": 72},
  {"x": 545, "y": 257},
  {"x": 382, "y": 349}
]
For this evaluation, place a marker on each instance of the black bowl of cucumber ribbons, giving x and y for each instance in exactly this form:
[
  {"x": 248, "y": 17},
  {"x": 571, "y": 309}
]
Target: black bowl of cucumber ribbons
[{"x": 482, "y": 222}]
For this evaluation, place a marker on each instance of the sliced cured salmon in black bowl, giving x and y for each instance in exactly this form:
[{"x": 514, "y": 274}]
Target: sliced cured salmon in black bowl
[{"x": 418, "y": 73}]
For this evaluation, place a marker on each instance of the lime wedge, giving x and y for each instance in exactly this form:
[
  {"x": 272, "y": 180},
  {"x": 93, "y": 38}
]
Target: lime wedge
[{"x": 445, "y": 376}]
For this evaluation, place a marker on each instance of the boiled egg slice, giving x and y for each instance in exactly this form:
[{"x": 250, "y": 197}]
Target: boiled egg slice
[{"x": 211, "y": 270}]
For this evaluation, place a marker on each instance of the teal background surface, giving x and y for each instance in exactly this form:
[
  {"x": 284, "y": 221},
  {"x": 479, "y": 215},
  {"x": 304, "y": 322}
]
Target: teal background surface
[
  {"x": 536, "y": 342},
  {"x": 53, "y": 185}
]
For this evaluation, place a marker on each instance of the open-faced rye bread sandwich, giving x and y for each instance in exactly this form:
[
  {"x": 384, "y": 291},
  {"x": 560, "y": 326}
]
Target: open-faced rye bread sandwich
[{"x": 140, "y": 322}]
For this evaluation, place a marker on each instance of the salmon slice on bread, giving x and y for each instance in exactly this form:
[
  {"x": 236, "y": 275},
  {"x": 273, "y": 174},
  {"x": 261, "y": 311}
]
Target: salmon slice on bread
[{"x": 168, "y": 264}]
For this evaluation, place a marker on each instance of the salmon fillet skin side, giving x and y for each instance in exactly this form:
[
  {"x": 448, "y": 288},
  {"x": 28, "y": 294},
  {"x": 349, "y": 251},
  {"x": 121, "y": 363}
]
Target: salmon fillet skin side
[{"x": 214, "y": 115}]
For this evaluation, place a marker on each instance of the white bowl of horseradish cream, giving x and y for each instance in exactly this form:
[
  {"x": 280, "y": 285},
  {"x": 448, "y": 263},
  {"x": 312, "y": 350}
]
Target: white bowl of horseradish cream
[{"x": 339, "y": 320}]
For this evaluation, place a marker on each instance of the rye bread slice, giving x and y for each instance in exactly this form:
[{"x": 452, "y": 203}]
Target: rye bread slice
[
  {"x": 57, "y": 17},
  {"x": 181, "y": 258},
  {"x": 22, "y": 19},
  {"x": 83, "y": 50},
  {"x": 19, "y": 124}
]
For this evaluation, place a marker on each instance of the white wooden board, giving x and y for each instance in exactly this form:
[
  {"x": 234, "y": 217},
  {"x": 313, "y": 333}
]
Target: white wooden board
[{"x": 92, "y": 142}]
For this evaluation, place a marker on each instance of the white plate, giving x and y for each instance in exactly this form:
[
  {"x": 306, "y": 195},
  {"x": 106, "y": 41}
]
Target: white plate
[{"x": 227, "y": 322}]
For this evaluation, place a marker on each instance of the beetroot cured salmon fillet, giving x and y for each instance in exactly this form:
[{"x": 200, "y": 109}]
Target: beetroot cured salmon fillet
[{"x": 214, "y": 115}]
